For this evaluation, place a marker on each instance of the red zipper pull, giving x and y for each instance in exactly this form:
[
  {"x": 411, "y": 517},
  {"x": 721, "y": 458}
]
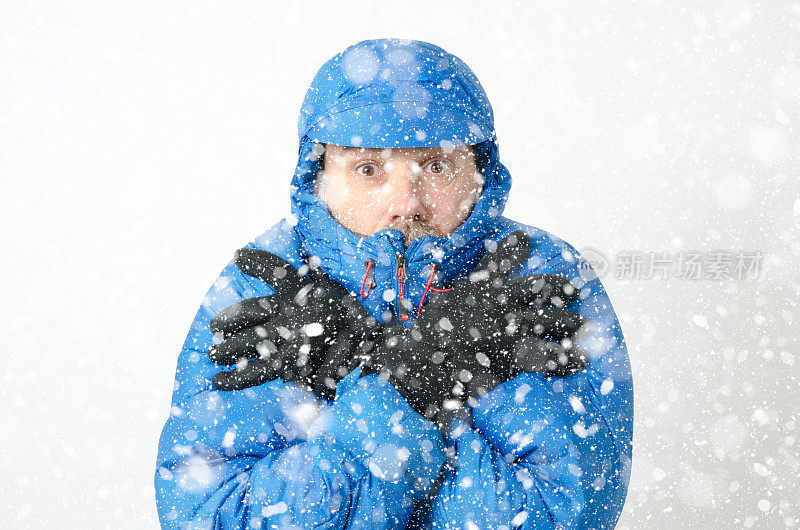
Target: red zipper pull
[
  {"x": 369, "y": 278},
  {"x": 402, "y": 309}
]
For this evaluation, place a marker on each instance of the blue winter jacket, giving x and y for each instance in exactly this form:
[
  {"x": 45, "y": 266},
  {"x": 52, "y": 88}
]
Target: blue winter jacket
[{"x": 539, "y": 452}]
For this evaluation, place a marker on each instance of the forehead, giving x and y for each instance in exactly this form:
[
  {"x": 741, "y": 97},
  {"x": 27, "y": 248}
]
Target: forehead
[{"x": 348, "y": 151}]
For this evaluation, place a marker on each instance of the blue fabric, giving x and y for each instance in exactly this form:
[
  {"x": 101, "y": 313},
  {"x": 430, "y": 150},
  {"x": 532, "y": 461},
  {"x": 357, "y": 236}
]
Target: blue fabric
[
  {"x": 539, "y": 452},
  {"x": 396, "y": 93}
]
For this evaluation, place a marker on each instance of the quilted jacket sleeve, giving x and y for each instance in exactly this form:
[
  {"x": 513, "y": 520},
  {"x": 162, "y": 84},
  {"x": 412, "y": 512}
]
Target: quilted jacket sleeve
[
  {"x": 548, "y": 452},
  {"x": 274, "y": 456}
]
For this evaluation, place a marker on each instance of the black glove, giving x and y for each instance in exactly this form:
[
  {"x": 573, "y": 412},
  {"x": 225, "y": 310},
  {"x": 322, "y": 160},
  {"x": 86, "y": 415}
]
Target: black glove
[
  {"x": 507, "y": 319},
  {"x": 486, "y": 330},
  {"x": 285, "y": 335},
  {"x": 436, "y": 384}
]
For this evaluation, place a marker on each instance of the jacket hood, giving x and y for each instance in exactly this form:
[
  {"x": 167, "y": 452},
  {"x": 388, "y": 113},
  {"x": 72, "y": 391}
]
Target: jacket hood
[{"x": 391, "y": 93}]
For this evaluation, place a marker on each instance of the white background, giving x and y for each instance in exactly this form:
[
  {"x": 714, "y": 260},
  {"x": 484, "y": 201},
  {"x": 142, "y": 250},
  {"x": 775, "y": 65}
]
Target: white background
[{"x": 141, "y": 144}]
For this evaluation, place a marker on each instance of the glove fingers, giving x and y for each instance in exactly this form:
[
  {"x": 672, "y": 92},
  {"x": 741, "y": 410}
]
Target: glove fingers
[
  {"x": 288, "y": 367},
  {"x": 550, "y": 322},
  {"x": 472, "y": 374},
  {"x": 338, "y": 362},
  {"x": 252, "y": 342},
  {"x": 270, "y": 268},
  {"x": 510, "y": 253},
  {"x": 355, "y": 312},
  {"x": 550, "y": 358},
  {"x": 482, "y": 382},
  {"x": 256, "y": 372},
  {"x": 244, "y": 314},
  {"x": 541, "y": 289},
  {"x": 537, "y": 355},
  {"x": 446, "y": 416},
  {"x": 316, "y": 273},
  {"x": 412, "y": 367},
  {"x": 575, "y": 359}
]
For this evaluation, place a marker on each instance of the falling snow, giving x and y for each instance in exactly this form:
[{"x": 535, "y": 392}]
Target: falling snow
[{"x": 141, "y": 146}]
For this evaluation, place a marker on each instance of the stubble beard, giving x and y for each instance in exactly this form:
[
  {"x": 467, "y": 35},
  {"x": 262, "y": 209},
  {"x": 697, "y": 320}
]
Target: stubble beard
[{"x": 412, "y": 230}]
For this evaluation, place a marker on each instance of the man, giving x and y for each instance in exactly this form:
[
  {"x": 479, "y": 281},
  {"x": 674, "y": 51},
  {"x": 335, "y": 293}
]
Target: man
[{"x": 400, "y": 354}]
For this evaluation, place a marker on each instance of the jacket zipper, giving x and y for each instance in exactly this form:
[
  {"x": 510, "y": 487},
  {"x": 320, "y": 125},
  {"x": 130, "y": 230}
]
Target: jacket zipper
[{"x": 402, "y": 309}]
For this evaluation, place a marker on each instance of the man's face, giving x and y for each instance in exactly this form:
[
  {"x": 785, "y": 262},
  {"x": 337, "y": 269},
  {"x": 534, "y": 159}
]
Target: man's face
[{"x": 418, "y": 191}]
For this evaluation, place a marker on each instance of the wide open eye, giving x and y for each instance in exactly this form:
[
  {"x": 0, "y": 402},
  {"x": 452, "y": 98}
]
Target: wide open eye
[
  {"x": 436, "y": 166},
  {"x": 439, "y": 172},
  {"x": 367, "y": 170}
]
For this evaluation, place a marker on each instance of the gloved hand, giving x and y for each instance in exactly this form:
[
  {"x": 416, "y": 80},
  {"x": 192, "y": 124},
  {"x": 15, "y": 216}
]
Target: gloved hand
[
  {"x": 288, "y": 334},
  {"x": 486, "y": 330},
  {"x": 435, "y": 383},
  {"x": 507, "y": 319}
]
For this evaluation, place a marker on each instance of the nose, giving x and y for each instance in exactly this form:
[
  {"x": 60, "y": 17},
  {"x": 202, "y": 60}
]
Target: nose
[{"x": 405, "y": 192}]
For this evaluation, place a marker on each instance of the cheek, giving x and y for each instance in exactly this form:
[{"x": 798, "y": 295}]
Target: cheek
[
  {"x": 450, "y": 207},
  {"x": 441, "y": 204},
  {"x": 345, "y": 196},
  {"x": 359, "y": 208},
  {"x": 370, "y": 197},
  {"x": 449, "y": 199}
]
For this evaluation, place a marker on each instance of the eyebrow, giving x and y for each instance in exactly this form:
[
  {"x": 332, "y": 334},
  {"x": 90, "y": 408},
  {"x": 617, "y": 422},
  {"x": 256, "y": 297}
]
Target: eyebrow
[{"x": 350, "y": 149}]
